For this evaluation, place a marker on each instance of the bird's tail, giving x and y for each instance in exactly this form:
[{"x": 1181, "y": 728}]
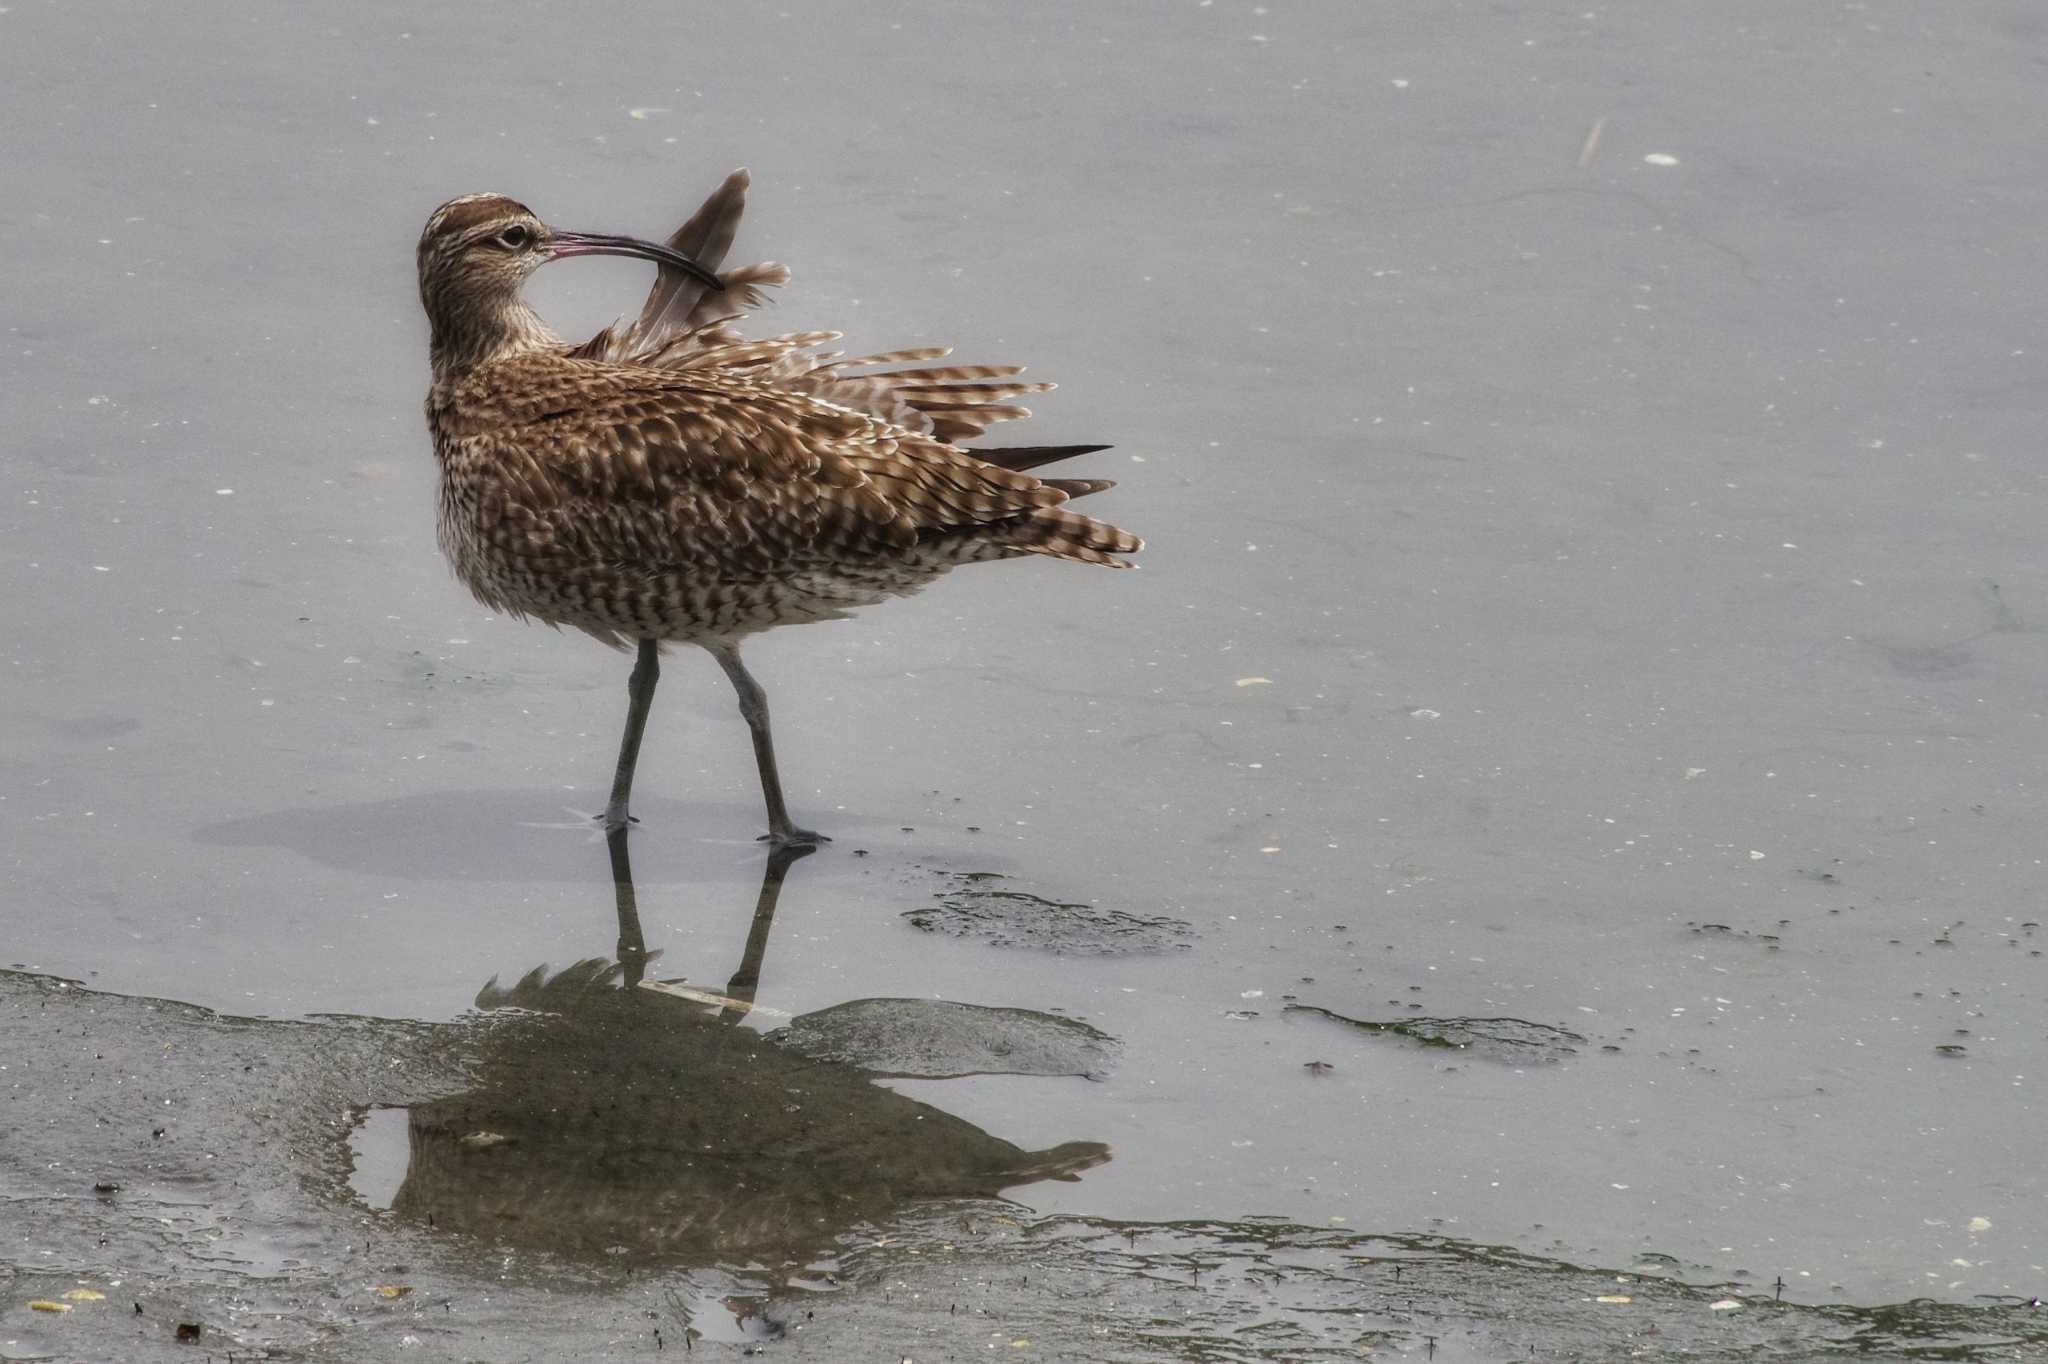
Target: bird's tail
[{"x": 1060, "y": 534}]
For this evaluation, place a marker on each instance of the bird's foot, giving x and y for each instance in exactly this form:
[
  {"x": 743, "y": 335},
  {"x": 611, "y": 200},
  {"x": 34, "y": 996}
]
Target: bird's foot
[{"x": 792, "y": 838}]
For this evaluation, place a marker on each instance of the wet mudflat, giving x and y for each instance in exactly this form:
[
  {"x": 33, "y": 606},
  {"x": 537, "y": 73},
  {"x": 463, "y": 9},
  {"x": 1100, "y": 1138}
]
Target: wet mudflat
[
  {"x": 1560, "y": 801},
  {"x": 549, "y": 1183}
]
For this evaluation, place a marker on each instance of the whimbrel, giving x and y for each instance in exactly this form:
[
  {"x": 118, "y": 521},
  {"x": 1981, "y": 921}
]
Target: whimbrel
[{"x": 669, "y": 481}]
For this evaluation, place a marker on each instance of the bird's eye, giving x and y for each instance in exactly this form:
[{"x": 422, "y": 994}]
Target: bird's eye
[{"x": 516, "y": 237}]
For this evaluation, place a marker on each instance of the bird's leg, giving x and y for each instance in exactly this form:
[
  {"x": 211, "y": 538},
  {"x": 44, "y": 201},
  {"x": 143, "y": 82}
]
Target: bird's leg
[
  {"x": 754, "y": 705},
  {"x": 640, "y": 691}
]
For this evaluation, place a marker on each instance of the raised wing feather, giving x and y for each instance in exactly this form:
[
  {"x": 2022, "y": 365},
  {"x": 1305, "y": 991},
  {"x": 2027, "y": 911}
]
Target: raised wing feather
[{"x": 683, "y": 325}]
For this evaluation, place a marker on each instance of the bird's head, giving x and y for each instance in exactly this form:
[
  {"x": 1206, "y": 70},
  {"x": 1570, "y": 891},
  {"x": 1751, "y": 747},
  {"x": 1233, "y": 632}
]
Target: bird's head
[{"x": 476, "y": 252}]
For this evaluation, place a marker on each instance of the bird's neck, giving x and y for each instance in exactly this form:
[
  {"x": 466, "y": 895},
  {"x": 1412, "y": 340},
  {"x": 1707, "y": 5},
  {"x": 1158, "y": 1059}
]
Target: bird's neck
[{"x": 471, "y": 337}]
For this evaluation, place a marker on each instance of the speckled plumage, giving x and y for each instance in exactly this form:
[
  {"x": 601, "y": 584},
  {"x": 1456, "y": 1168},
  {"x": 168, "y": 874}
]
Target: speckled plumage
[
  {"x": 635, "y": 502},
  {"x": 671, "y": 480}
]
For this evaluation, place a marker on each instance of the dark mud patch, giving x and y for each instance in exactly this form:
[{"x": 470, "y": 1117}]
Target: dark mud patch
[
  {"x": 981, "y": 908},
  {"x": 936, "y": 1039},
  {"x": 1770, "y": 942},
  {"x": 1514, "y": 1041}
]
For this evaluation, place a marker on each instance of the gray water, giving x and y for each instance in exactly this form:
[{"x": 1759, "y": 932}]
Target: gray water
[{"x": 1592, "y": 614}]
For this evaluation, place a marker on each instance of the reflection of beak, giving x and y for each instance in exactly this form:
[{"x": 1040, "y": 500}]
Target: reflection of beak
[{"x": 562, "y": 244}]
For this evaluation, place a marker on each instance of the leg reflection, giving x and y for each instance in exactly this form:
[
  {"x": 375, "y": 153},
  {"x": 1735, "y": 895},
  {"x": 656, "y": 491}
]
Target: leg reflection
[
  {"x": 633, "y": 955},
  {"x": 632, "y": 951},
  {"x": 747, "y": 979}
]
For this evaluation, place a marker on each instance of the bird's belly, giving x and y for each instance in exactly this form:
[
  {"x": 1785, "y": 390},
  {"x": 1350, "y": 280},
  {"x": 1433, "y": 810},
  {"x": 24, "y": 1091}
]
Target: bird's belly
[
  {"x": 621, "y": 602},
  {"x": 618, "y": 605}
]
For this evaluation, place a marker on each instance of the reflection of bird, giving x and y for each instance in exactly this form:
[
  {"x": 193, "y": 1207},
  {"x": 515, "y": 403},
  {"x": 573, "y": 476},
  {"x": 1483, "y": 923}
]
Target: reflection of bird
[
  {"x": 672, "y": 481},
  {"x": 609, "y": 1118},
  {"x": 602, "y": 1117}
]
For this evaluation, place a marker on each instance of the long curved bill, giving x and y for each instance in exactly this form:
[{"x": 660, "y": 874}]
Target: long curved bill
[{"x": 562, "y": 244}]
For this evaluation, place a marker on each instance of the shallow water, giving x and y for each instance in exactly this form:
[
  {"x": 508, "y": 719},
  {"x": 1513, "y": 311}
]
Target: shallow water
[{"x": 1592, "y": 611}]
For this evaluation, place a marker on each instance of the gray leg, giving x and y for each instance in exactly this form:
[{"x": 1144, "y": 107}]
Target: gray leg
[
  {"x": 754, "y": 706},
  {"x": 640, "y": 690}
]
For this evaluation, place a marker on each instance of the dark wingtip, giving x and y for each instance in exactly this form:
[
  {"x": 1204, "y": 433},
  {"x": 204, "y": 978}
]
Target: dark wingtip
[{"x": 1018, "y": 458}]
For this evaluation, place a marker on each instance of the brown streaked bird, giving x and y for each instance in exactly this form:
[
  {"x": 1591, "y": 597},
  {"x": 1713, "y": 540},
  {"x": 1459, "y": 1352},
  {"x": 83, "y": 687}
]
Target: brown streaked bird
[{"x": 670, "y": 481}]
